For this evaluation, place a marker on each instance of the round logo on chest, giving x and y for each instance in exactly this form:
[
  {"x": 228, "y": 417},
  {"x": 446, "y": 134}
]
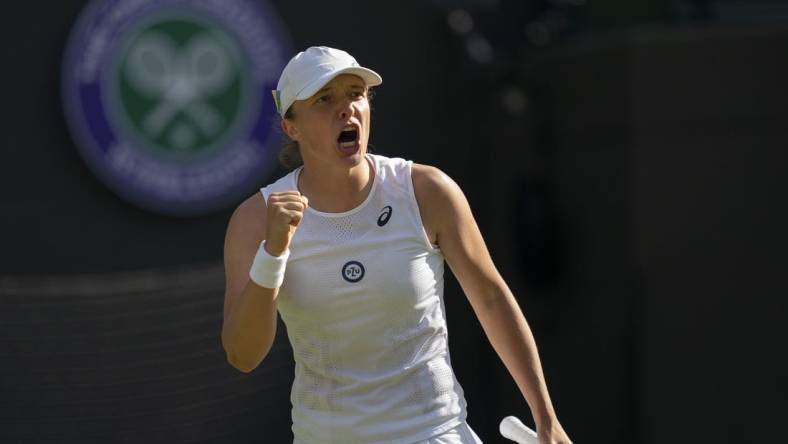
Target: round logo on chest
[{"x": 353, "y": 271}]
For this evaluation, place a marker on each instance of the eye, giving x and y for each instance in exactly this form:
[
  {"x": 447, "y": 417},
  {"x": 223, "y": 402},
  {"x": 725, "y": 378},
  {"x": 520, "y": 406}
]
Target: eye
[{"x": 323, "y": 98}]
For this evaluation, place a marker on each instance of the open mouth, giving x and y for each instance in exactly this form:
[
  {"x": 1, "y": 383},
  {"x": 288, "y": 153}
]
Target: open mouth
[{"x": 348, "y": 140}]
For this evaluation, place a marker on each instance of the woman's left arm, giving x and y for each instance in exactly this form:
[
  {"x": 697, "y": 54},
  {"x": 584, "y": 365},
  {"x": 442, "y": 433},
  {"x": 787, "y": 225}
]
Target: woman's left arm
[{"x": 449, "y": 222}]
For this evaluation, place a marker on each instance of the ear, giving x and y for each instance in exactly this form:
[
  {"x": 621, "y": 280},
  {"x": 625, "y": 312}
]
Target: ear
[{"x": 289, "y": 128}]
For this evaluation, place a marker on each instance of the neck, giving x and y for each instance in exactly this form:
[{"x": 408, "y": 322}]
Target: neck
[{"x": 336, "y": 190}]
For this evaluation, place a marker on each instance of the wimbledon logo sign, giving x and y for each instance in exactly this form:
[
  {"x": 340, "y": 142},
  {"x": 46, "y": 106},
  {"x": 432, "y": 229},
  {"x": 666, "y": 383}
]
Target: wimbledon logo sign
[{"x": 169, "y": 101}]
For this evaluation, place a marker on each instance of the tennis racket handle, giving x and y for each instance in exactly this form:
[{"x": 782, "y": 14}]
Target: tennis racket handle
[{"x": 514, "y": 429}]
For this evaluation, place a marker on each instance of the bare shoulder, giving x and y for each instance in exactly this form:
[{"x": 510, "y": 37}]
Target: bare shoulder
[
  {"x": 254, "y": 205},
  {"x": 433, "y": 187},
  {"x": 248, "y": 219},
  {"x": 430, "y": 182},
  {"x": 439, "y": 198}
]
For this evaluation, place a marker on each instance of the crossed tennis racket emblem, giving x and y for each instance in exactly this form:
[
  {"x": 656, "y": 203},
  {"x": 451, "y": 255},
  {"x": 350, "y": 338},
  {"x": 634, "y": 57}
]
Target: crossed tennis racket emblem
[{"x": 181, "y": 78}]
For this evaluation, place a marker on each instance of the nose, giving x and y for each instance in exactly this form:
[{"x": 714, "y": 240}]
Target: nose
[{"x": 345, "y": 109}]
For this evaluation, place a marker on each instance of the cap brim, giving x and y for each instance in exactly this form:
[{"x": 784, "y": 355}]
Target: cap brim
[{"x": 370, "y": 77}]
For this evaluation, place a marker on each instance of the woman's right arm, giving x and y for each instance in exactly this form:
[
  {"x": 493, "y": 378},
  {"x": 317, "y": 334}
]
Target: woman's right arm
[{"x": 250, "y": 309}]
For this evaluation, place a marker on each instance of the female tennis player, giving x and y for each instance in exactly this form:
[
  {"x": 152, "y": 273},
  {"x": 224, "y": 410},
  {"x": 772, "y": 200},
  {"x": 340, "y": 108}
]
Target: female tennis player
[{"x": 349, "y": 248}]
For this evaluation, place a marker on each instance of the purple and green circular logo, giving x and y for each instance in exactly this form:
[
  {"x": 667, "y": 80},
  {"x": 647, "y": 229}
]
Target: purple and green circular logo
[{"x": 169, "y": 101}]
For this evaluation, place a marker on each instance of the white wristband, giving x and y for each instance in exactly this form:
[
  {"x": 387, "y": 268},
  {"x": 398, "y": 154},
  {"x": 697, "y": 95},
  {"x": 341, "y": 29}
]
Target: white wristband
[{"x": 268, "y": 271}]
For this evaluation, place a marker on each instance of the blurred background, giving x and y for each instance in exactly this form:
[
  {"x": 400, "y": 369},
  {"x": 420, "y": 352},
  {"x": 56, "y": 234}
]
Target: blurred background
[{"x": 626, "y": 162}]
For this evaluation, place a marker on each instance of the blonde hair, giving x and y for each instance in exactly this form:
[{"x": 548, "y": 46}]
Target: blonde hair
[{"x": 290, "y": 153}]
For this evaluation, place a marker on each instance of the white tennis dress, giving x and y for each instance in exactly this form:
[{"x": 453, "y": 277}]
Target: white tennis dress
[{"x": 362, "y": 300}]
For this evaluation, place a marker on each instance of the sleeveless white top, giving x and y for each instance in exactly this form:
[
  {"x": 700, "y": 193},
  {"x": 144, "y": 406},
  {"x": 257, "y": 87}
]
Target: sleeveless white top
[{"x": 362, "y": 300}]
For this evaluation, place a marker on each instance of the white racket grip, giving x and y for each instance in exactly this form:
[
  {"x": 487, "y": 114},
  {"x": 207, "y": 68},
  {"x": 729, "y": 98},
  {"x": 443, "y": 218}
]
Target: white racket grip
[{"x": 512, "y": 428}]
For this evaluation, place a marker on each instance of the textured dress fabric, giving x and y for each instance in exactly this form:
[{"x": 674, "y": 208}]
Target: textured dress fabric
[{"x": 362, "y": 300}]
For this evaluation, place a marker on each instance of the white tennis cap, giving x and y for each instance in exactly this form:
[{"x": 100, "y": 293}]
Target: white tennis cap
[{"x": 310, "y": 70}]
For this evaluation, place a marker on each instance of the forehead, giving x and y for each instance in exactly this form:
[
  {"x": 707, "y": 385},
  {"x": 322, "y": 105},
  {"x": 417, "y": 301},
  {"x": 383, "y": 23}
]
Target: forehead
[
  {"x": 345, "y": 81},
  {"x": 341, "y": 82}
]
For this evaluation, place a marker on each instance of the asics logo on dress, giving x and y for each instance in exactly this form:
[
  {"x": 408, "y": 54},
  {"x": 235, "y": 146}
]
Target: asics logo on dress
[{"x": 385, "y": 215}]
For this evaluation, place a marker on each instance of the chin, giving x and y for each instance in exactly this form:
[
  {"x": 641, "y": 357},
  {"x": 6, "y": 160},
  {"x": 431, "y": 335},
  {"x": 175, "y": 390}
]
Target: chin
[{"x": 353, "y": 158}]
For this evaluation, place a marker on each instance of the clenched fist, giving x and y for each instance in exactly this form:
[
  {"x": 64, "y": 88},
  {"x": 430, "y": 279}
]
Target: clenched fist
[{"x": 285, "y": 211}]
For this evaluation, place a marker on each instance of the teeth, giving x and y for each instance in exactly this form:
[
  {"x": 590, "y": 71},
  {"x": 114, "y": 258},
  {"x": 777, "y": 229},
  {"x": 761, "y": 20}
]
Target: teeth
[{"x": 349, "y": 128}]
